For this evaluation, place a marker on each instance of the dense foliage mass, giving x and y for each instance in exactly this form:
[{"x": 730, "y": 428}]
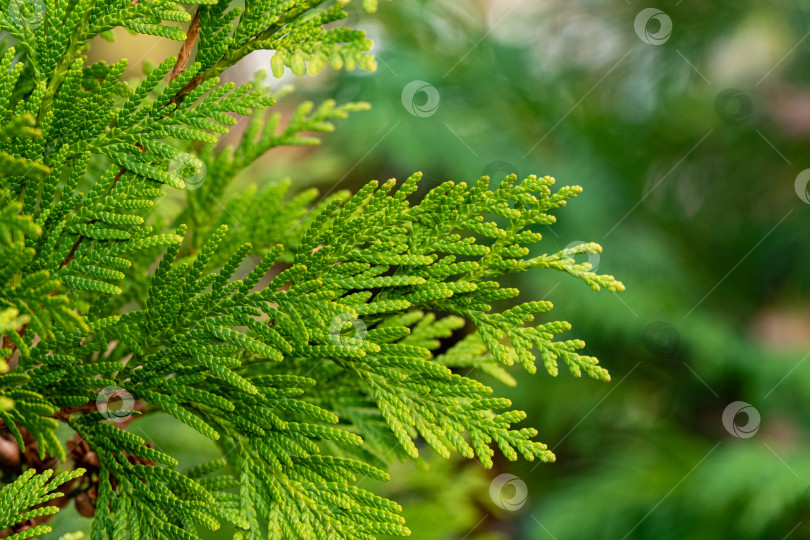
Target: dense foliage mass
[
  {"x": 313, "y": 339},
  {"x": 717, "y": 304}
]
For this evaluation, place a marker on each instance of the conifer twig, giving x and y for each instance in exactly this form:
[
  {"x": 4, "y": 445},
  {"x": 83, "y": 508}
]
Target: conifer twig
[
  {"x": 342, "y": 337},
  {"x": 188, "y": 45}
]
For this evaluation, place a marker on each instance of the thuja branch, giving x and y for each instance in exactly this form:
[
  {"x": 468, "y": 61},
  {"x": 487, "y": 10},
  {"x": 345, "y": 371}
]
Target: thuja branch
[{"x": 312, "y": 340}]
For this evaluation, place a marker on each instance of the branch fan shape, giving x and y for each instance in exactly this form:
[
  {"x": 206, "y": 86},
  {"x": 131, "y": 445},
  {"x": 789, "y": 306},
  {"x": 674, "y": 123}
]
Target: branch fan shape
[{"x": 313, "y": 339}]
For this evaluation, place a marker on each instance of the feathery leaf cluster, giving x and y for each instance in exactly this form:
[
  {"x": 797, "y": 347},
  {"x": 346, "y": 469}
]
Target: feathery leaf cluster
[
  {"x": 307, "y": 338},
  {"x": 27, "y": 497}
]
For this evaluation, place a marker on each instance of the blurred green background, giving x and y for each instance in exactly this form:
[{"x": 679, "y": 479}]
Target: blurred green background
[{"x": 687, "y": 128}]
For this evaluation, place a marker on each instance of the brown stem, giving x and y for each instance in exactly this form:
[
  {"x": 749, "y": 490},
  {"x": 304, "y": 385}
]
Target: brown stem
[
  {"x": 179, "y": 67},
  {"x": 8, "y": 344},
  {"x": 64, "y": 413},
  {"x": 192, "y": 84},
  {"x": 185, "y": 51},
  {"x": 72, "y": 253}
]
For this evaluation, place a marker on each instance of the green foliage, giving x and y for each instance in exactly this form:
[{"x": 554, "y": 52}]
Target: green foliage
[
  {"x": 312, "y": 340},
  {"x": 23, "y": 499},
  {"x": 632, "y": 143}
]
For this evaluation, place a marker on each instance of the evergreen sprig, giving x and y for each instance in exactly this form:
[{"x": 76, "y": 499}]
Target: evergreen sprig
[
  {"x": 26, "y": 497},
  {"x": 312, "y": 340}
]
